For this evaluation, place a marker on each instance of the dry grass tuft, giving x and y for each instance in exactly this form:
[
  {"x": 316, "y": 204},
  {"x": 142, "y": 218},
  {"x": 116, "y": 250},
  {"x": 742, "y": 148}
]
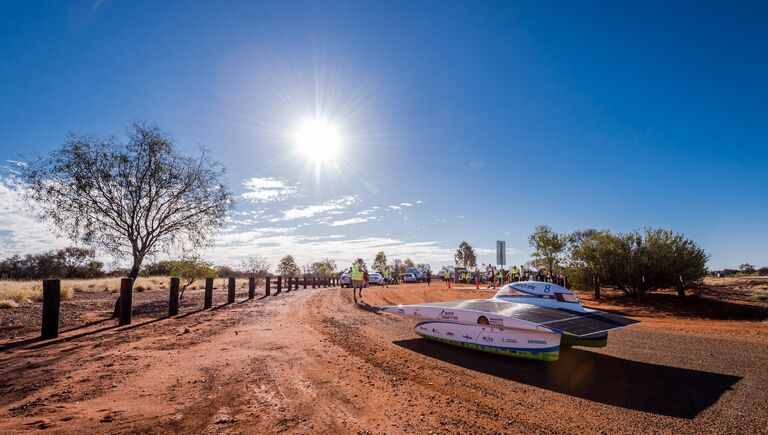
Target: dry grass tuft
[
  {"x": 7, "y": 303},
  {"x": 24, "y": 292}
]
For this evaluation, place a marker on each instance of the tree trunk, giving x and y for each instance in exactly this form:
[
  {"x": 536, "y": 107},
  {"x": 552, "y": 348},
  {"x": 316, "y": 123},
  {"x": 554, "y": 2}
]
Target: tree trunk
[
  {"x": 133, "y": 274},
  {"x": 681, "y": 294}
]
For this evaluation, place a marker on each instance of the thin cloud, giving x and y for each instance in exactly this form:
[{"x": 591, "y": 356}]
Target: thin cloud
[
  {"x": 268, "y": 189},
  {"x": 21, "y": 232},
  {"x": 329, "y": 207},
  {"x": 352, "y": 221}
]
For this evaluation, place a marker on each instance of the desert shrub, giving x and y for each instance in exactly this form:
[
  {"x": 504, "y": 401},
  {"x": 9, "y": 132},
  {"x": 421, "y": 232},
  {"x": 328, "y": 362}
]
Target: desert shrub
[
  {"x": 763, "y": 271},
  {"x": 190, "y": 269},
  {"x": 7, "y": 303},
  {"x": 139, "y": 288},
  {"x": 760, "y": 296},
  {"x": 636, "y": 262}
]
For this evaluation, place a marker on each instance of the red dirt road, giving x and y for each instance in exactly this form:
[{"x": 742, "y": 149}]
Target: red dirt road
[{"x": 317, "y": 361}]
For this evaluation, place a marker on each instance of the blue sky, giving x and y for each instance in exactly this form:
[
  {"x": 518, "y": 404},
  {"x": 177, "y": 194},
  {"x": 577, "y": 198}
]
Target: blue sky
[{"x": 468, "y": 121}]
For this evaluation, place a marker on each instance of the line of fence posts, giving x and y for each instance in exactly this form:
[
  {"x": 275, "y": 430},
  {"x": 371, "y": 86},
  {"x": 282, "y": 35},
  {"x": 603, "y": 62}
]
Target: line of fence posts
[{"x": 52, "y": 297}]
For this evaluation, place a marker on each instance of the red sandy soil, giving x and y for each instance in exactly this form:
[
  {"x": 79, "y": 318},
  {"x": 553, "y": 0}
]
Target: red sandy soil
[{"x": 319, "y": 361}]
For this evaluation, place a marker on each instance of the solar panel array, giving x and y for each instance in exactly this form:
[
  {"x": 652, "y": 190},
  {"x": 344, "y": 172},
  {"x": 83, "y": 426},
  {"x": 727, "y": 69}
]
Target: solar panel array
[
  {"x": 576, "y": 323},
  {"x": 592, "y": 323}
]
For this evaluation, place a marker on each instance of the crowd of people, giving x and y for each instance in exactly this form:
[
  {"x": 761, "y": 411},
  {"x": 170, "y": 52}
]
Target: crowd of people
[{"x": 495, "y": 277}]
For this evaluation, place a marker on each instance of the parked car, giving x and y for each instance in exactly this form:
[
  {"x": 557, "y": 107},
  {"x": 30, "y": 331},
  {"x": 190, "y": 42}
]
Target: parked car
[
  {"x": 409, "y": 277},
  {"x": 344, "y": 281},
  {"x": 418, "y": 274},
  {"x": 375, "y": 278}
]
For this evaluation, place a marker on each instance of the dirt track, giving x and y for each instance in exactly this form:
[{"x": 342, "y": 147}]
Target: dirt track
[{"x": 317, "y": 361}]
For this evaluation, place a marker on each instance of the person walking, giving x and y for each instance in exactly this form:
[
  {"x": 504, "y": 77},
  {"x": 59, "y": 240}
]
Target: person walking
[
  {"x": 386, "y": 277},
  {"x": 357, "y": 277},
  {"x": 429, "y": 277},
  {"x": 448, "y": 277}
]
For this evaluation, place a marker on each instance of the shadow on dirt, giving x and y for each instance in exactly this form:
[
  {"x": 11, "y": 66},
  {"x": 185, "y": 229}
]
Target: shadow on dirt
[
  {"x": 703, "y": 303},
  {"x": 366, "y": 306},
  {"x": 658, "y": 389}
]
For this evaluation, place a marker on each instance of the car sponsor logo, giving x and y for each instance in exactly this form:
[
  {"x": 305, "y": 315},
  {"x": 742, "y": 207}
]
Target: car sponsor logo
[
  {"x": 423, "y": 328},
  {"x": 509, "y": 340},
  {"x": 450, "y": 334},
  {"x": 537, "y": 341},
  {"x": 400, "y": 311},
  {"x": 416, "y": 313},
  {"x": 467, "y": 337},
  {"x": 495, "y": 321},
  {"x": 447, "y": 315},
  {"x": 486, "y": 338}
]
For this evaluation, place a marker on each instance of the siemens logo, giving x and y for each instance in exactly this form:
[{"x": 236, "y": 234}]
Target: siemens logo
[{"x": 537, "y": 341}]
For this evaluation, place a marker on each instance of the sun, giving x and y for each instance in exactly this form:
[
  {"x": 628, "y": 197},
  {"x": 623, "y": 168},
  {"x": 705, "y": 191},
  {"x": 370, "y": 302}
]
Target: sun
[{"x": 319, "y": 140}]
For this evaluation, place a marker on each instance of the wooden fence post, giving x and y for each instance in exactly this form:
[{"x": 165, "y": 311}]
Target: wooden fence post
[
  {"x": 289, "y": 283},
  {"x": 267, "y": 283},
  {"x": 126, "y": 301},
  {"x": 279, "y": 283},
  {"x": 208, "y": 302},
  {"x": 51, "y": 304},
  {"x": 231, "y": 291},
  {"x": 251, "y": 287},
  {"x": 596, "y": 285},
  {"x": 173, "y": 297},
  {"x": 296, "y": 283},
  {"x": 305, "y": 282},
  {"x": 314, "y": 282}
]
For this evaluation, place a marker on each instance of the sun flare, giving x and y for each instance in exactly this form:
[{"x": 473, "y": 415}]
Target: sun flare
[{"x": 318, "y": 140}]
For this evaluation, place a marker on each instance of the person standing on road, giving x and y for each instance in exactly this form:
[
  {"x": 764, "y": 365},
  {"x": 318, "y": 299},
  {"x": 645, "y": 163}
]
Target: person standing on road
[
  {"x": 357, "y": 277},
  {"x": 429, "y": 277},
  {"x": 386, "y": 277},
  {"x": 448, "y": 277}
]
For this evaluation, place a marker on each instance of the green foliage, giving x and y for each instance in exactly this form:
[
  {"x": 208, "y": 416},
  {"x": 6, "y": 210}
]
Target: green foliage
[
  {"x": 465, "y": 255},
  {"x": 747, "y": 269},
  {"x": 760, "y": 296},
  {"x": 636, "y": 262},
  {"x": 288, "y": 267},
  {"x": 763, "y": 271},
  {"x": 548, "y": 248},
  {"x": 72, "y": 262},
  {"x": 380, "y": 262},
  {"x": 190, "y": 269},
  {"x": 325, "y": 268},
  {"x": 408, "y": 263}
]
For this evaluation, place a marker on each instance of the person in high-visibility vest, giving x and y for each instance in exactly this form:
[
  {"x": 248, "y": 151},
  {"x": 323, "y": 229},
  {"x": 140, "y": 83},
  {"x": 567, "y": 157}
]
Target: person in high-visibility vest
[
  {"x": 448, "y": 277},
  {"x": 386, "y": 277},
  {"x": 513, "y": 272},
  {"x": 499, "y": 276},
  {"x": 357, "y": 277}
]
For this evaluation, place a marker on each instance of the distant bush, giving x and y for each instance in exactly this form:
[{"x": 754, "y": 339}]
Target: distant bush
[
  {"x": 139, "y": 288},
  {"x": 636, "y": 262},
  {"x": 69, "y": 262},
  {"x": 763, "y": 271}
]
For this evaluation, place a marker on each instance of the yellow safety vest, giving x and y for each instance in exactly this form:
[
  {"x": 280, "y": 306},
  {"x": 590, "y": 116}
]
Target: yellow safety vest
[
  {"x": 447, "y": 275},
  {"x": 386, "y": 275},
  {"x": 357, "y": 273}
]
